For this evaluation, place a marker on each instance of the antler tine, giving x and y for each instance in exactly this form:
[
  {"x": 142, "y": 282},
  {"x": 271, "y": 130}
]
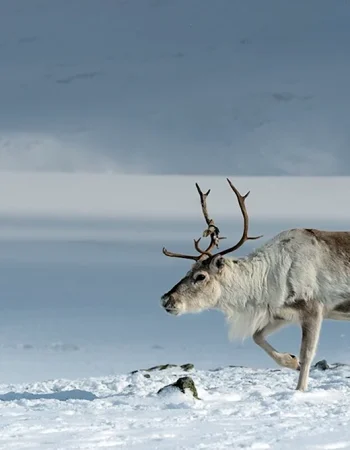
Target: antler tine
[
  {"x": 212, "y": 230},
  {"x": 179, "y": 255},
  {"x": 241, "y": 201},
  {"x": 207, "y": 250},
  {"x": 203, "y": 196},
  {"x": 214, "y": 241}
]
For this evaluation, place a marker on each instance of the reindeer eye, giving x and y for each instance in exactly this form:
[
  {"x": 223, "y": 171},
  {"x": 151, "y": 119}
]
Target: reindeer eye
[{"x": 199, "y": 277}]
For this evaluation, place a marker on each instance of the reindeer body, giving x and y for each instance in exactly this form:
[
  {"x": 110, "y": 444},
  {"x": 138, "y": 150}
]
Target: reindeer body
[
  {"x": 300, "y": 276},
  {"x": 280, "y": 278}
]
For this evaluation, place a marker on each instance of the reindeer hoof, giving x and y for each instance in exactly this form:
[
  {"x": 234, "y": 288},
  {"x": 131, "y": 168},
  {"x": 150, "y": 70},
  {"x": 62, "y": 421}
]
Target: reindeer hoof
[
  {"x": 289, "y": 361},
  {"x": 297, "y": 361}
]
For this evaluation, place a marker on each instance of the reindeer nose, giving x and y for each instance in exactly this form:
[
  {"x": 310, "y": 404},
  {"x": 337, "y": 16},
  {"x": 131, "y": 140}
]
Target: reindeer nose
[
  {"x": 168, "y": 302},
  {"x": 164, "y": 299}
]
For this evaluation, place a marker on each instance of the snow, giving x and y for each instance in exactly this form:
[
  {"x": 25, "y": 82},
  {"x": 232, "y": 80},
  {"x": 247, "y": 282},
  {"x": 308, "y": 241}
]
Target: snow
[{"x": 239, "y": 408}]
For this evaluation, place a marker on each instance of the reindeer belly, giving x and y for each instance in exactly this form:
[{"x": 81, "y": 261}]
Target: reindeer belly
[{"x": 341, "y": 311}]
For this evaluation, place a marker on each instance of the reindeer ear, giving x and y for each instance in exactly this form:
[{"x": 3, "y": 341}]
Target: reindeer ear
[{"x": 217, "y": 262}]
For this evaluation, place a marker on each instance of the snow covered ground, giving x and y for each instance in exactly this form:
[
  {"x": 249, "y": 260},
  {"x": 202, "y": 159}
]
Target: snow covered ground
[
  {"x": 239, "y": 408},
  {"x": 81, "y": 275}
]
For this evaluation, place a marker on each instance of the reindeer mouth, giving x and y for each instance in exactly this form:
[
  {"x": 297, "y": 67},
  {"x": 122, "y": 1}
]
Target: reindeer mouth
[{"x": 172, "y": 311}]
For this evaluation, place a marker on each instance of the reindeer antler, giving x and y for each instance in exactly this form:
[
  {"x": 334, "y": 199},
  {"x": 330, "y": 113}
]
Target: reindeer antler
[
  {"x": 213, "y": 231},
  {"x": 241, "y": 201}
]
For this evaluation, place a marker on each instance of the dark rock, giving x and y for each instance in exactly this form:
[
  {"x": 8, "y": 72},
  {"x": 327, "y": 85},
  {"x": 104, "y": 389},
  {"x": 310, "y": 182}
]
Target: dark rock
[
  {"x": 322, "y": 365},
  {"x": 182, "y": 384},
  {"x": 147, "y": 375},
  {"x": 336, "y": 365},
  {"x": 161, "y": 367},
  {"x": 187, "y": 367}
]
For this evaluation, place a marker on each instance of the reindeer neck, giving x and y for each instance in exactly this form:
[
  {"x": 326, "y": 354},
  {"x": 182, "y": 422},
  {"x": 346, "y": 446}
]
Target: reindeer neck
[
  {"x": 244, "y": 300},
  {"x": 245, "y": 281}
]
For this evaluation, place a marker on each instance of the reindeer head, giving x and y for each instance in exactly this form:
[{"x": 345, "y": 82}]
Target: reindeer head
[{"x": 202, "y": 286}]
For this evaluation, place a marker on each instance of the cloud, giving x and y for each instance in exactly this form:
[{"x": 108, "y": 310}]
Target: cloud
[
  {"x": 32, "y": 151},
  {"x": 166, "y": 95}
]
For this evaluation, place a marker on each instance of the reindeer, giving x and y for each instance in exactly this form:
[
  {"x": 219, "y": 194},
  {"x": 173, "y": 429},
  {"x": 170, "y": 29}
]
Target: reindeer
[{"x": 300, "y": 276}]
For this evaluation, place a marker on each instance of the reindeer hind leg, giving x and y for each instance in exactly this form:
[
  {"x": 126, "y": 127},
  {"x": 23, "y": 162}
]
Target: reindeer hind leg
[{"x": 311, "y": 320}]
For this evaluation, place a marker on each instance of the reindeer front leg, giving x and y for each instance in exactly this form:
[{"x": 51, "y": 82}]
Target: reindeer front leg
[{"x": 282, "y": 359}]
